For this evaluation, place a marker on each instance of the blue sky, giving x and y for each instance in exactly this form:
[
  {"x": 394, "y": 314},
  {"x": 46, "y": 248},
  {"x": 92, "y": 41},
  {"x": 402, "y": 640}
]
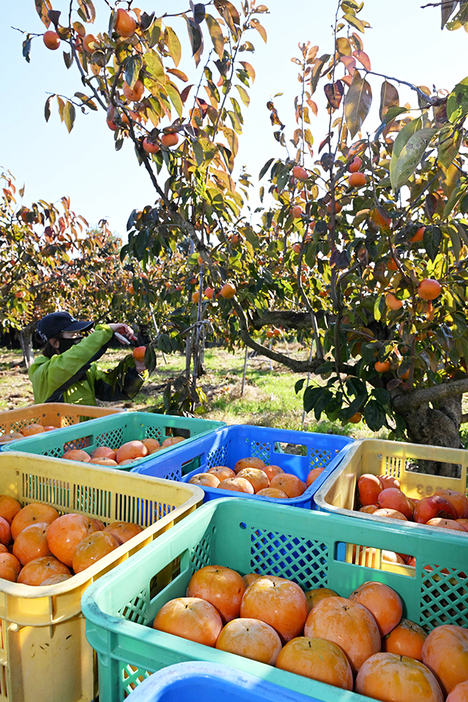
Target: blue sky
[{"x": 405, "y": 42}]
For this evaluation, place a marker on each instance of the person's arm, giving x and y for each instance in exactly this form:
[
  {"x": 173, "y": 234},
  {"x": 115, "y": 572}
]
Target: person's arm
[{"x": 49, "y": 376}]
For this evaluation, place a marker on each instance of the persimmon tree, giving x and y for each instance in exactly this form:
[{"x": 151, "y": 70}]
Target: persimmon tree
[
  {"x": 50, "y": 259},
  {"x": 361, "y": 241}
]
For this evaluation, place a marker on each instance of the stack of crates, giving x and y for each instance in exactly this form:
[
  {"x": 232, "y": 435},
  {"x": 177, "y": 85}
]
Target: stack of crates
[{"x": 44, "y": 655}]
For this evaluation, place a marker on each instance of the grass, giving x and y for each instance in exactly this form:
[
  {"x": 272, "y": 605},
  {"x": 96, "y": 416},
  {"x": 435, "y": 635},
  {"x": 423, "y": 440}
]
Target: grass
[{"x": 267, "y": 399}]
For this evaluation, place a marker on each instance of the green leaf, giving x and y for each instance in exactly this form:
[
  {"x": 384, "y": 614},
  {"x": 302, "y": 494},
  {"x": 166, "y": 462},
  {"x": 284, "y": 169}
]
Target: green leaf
[
  {"x": 27, "y": 48},
  {"x": 132, "y": 70},
  {"x": 379, "y": 307},
  {"x": 431, "y": 240},
  {"x": 265, "y": 168},
  {"x": 69, "y": 115},
  {"x": 311, "y": 396},
  {"x": 173, "y": 45},
  {"x": 403, "y": 165},
  {"x": 47, "y": 107},
  {"x": 455, "y": 239},
  {"x": 457, "y": 102},
  {"x": 317, "y": 70},
  {"x": 174, "y": 97},
  {"x": 357, "y": 103},
  {"x": 449, "y": 145},
  {"x": 374, "y": 415},
  {"x": 216, "y": 35},
  {"x": 154, "y": 66}
]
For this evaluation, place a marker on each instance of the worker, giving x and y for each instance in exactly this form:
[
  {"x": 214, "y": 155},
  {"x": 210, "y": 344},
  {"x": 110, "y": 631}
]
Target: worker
[{"x": 66, "y": 370}]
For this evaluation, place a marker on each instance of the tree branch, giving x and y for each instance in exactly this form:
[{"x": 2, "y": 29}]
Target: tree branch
[{"x": 406, "y": 403}]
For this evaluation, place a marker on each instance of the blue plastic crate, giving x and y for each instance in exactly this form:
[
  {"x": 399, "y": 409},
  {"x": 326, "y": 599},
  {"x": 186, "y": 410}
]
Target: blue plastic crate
[
  {"x": 186, "y": 682},
  {"x": 113, "y": 431},
  {"x": 295, "y": 452}
]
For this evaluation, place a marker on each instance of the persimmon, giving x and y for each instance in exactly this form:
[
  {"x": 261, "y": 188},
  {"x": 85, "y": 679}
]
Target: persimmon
[
  {"x": 237, "y": 485},
  {"x": 393, "y": 302},
  {"x": 355, "y": 165},
  {"x": 222, "y": 586},
  {"x": 139, "y": 353},
  {"x": 392, "y": 678},
  {"x": 150, "y": 147},
  {"x": 195, "y": 296},
  {"x": 131, "y": 450},
  {"x": 382, "y": 366},
  {"x": 445, "y": 652},
  {"x": 368, "y": 509},
  {"x": 9, "y": 507},
  {"x": 394, "y": 498},
  {"x": 51, "y": 40},
  {"x": 32, "y": 429},
  {"x": 90, "y": 43},
  {"x": 10, "y": 436},
  {"x": 368, "y": 487},
  {"x": 348, "y": 624},
  {"x": 123, "y": 531},
  {"x": 275, "y": 493},
  {"x": 279, "y": 602},
  {"x": 297, "y": 211},
  {"x": 357, "y": 180},
  {"x": 76, "y": 455},
  {"x": 168, "y": 140},
  {"x": 459, "y": 693},
  {"x": 31, "y": 543},
  {"x": 300, "y": 173},
  {"x": 313, "y": 475},
  {"x": 406, "y": 639},
  {"x": 10, "y": 567},
  {"x": 250, "y": 638},
  {"x": 256, "y": 477},
  {"x": 66, "y": 532},
  {"x": 191, "y": 618},
  {"x": 35, "y": 512},
  {"x": 92, "y": 548},
  {"x": 419, "y": 235},
  {"x": 382, "y": 601},
  {"x": 271, "y": 470},
  {"x": 289, "y": 483},
  {"x": 355, "y": 418},
  {"x": 134, "y": 93},
  {"x": 125, "y": 25},
  {"x": 389, "y": 481},
  {"x": 457, "y": 499},
  {"x": 390, "y": 513},
  {"x": 392, "y": 265},
  {"x": 445, "y": 524},
  {"x": 152, "y": 445},
  {"x": 37, "y": 570},
  {"x": 222, "y": 472},
  {"x": 318, "y": 659},
  {"x": 205, "y": 480},
  {"x": 228, "y": 291},
  {"x": 464, "y": 523},
  {"x": 249, "y": 462},
  {"x": 103, "y": 461},
  {"x": 103, "y": 452},
  {"x": 209, "y": 292},
  {"x": 319, "y": 593},
  {"x": 171, "y": 441},
  {"x": 429, "y": 289}
]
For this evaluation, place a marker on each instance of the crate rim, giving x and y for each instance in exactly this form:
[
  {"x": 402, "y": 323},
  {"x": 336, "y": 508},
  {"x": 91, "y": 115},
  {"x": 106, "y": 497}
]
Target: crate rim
[
  {"x": 392, "y": 527},
  {"x": 34, "y": 592},
  {"x": 371, "y": 518}
]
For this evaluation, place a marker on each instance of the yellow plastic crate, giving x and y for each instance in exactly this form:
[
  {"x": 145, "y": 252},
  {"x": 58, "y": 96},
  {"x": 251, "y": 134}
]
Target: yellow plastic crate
[
  {"x": 44, "y": 654},
  {"x": 338, "y": 492},
  {"x": 57, "y": 414}
]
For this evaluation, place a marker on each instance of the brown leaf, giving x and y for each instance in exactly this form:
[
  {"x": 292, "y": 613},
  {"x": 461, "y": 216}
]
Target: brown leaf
[
  {"x": 363, "y": 59},
  {"x": 357, "y": 103},
  {"x": 388, "y": 98},
  {"x": 42, "y": 9},
  {"x": 334, "y": 93}
]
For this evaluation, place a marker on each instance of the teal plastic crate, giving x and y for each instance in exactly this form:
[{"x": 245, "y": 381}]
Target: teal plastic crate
[
  {"x": 115, "y": 430},
  {"x": 187, "y": 682},
  {"x": 264, "y": 538}
]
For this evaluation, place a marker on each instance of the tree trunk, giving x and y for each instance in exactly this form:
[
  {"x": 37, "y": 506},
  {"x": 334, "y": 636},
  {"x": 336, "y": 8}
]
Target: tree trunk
[
  {"x": 26, "y": 339},
  {"x": 438, "y": 426}
]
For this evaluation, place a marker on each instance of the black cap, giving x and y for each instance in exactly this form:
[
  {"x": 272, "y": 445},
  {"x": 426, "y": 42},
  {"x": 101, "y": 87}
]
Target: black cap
[{"x": 57, "y": 322}]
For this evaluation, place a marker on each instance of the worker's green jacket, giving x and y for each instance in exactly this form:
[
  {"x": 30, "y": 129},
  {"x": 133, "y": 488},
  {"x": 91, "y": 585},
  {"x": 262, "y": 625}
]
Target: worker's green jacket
[{"x": 49, "y": 375}]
